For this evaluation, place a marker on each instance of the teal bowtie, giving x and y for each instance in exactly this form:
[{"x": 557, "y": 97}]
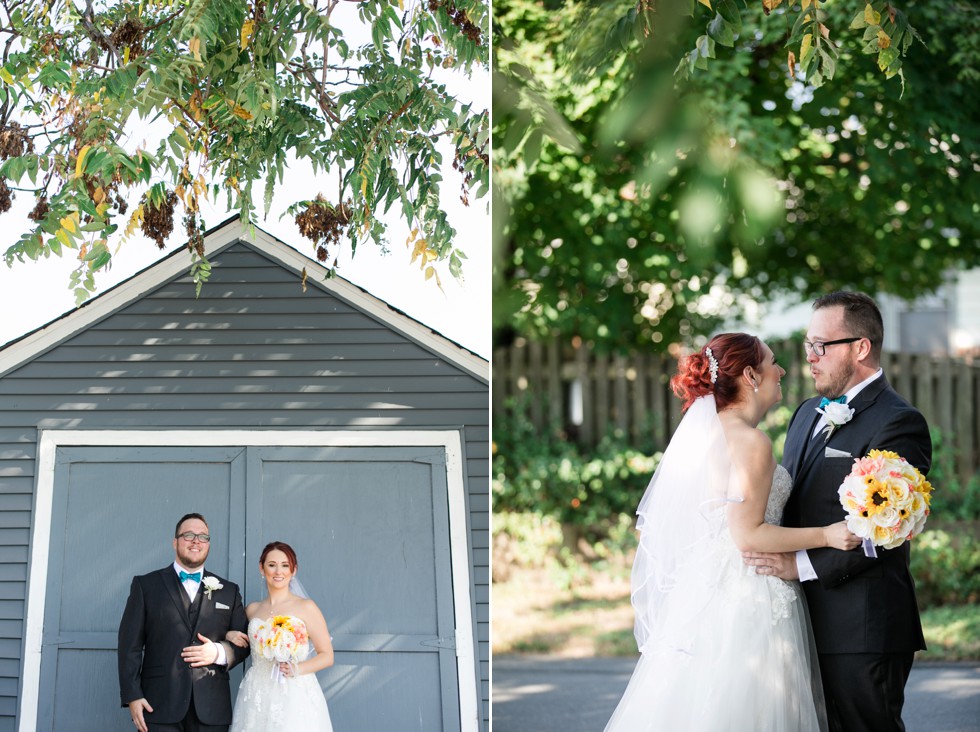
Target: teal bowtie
[
  {"x": 825, "y": 401},
  {"x": 196, "y": 576}
]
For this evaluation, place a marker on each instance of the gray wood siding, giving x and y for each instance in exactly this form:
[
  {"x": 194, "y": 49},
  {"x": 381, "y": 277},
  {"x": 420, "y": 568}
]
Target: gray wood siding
[{"x": 253, "y": 352}]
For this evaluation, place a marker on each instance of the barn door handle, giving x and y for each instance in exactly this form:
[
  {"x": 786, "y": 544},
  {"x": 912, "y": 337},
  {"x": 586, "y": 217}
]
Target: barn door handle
[{"x": 447, "y": 642}]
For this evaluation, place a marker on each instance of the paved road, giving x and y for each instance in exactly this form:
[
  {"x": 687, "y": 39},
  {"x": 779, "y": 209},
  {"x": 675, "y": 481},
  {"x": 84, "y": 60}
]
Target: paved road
[{"x": 579, "y": 695}]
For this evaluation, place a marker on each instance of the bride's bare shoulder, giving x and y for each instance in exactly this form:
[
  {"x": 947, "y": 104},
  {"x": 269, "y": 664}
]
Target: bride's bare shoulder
[
  {"x": 308, "y": 610},
  {"x": 744, "y": 439},
  {"x": 252, "y": 609},
  {"x": 750, "y": 449},
  {"x": 308, "y": 605}
]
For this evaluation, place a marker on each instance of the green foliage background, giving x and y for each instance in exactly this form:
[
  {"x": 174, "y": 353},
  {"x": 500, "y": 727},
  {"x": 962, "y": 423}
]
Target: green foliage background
[{"x": 637, "y": 206}]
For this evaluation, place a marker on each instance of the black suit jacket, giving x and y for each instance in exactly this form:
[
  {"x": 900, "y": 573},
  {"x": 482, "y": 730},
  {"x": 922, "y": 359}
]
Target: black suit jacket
[
  {"x": 156, "y": 625},
  {"x": 857, "y": 604}
]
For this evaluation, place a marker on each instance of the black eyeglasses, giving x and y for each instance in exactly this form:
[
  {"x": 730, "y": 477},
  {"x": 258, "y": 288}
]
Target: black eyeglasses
[
  {"x": 819, "y": 348},
  {"x": 190, "y": 536}
]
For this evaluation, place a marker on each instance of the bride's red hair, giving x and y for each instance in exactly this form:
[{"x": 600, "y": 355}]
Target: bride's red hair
[
  {"x": 733, "y": 352},
  {"x": 284, "y": 548}
]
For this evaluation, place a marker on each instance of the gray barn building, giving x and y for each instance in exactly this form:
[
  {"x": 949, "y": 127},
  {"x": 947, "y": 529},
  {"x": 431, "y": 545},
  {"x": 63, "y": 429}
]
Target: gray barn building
[{"x": 322, "y": 418}]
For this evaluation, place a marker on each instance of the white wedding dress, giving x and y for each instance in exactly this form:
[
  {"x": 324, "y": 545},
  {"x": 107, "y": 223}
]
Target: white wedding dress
[
  {"x": 268, "y": 704},
  {"x": 727, "y": 649}
]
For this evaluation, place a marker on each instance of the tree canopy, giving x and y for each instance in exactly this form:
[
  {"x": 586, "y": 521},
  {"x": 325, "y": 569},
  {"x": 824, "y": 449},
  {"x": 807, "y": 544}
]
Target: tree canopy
[
  {"x": 235, "y": 90},
  {"x": 644, "y": 191}
]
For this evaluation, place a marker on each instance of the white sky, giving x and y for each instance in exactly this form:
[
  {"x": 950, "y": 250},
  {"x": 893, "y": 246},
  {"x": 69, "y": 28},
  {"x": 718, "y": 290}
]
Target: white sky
[{"x": 35, "y": 293}]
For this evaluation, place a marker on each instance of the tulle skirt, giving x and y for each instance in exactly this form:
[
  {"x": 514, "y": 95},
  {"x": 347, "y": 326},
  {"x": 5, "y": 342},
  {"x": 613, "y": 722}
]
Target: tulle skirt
[{"x": 732, "y": 652}]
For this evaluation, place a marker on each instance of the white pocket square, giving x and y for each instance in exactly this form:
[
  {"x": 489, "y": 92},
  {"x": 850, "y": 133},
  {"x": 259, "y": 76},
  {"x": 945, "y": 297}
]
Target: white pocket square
[
  {"x": 221, "y": 606},
  {"x": 831, "y": 452}
]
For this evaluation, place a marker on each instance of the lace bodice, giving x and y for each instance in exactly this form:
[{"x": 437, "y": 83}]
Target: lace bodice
[
  {"x": 782, "y": 484},
  {"x": 783, "y": 596}
]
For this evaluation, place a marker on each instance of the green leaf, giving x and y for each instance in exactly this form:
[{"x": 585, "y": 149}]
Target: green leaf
[
  {"x": 698, "y": 61},
  {"x": 706, "y": 47},
  {"x": 100, "y": 259},
  {"x": 33, "y": 164},
  {"x": 828, "y": 65},
  {"x": 14, "y": 168},
  {"x": 887, "y": 56},
  {"x": 728, "y": 10},
  {"x": 720, "y": 31}
]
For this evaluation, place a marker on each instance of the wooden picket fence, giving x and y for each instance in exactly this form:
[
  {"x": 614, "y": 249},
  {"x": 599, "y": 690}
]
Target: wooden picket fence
[{"x": 565, "y": 386}]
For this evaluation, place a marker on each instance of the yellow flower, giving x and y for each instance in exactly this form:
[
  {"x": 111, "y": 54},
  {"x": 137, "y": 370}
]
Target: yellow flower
[
  {"x": 850, "y": 504},
  {"x": 876, "y": 497},
  {"x": 885, "y": 454},
  {"x": 880, "y": 534}
]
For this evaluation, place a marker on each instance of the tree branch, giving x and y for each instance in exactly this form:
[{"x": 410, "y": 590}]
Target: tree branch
[
  {"x": 88, "y": 20},
  {"x": 173, "y": 16}
]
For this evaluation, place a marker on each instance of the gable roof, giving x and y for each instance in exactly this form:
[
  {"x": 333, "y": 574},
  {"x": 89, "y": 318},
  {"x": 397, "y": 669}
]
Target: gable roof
[{"x": 216, "y": 240}]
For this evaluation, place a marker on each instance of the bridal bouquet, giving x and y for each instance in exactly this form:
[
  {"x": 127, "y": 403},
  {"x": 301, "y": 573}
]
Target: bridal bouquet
[
  {"x": 886, "y": 500},
  {"x": 280, "y": 639}
]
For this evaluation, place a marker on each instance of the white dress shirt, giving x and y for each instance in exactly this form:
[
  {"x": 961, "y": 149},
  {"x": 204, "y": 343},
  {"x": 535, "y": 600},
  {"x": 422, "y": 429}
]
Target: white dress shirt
[
  {"x": 803, "y": 564},
  {"x": 192, "y": 587}
]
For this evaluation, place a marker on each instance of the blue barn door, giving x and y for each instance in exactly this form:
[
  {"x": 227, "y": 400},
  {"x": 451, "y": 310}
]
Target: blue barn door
[
  {"x": 113, "y": 516},
  {"x": 370, "y": 526}
]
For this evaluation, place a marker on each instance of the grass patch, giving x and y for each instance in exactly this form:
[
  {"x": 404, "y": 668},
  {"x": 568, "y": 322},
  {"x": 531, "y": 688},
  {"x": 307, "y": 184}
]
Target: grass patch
[
  {"x": 584, "y": 611},
  {"x": 952, "y": 633},
  {"x": 576, "y": 615}
]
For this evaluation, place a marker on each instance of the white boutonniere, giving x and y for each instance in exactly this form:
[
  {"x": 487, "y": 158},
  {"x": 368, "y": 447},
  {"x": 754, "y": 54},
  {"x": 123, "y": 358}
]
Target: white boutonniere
[
  {"x": 210, "y": 585},
  {"x": 836, "y": 414}
]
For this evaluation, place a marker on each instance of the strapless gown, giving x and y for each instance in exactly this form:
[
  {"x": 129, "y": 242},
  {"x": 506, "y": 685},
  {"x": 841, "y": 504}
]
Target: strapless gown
[
  {"x": 734, "y": 650},
  {"x": 268, "y": 704}
]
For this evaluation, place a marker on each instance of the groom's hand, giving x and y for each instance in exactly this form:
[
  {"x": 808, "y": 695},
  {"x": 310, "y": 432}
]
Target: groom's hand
[
  {"x": 781, "y": 565},
  {"x": 136, "y": 708},
  {"x": 203, "y": 655}
]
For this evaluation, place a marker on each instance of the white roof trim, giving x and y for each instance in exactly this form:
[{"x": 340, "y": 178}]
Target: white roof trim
[{"x": 222, "y": 236}]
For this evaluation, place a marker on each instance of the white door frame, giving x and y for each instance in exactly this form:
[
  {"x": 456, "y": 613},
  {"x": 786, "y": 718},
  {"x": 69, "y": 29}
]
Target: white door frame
[{"x": 50, "y": 440}]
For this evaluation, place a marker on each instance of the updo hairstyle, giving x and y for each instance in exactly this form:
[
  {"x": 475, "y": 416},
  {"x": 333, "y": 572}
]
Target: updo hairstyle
[
  {"x": 284, "y": 548},
  {"x": 733, "y": 352}
]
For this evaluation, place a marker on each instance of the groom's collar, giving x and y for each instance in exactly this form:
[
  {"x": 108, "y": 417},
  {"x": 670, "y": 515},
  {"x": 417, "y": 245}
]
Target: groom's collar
[
  {"x": 178, "y": 568},
  {"x": 855, "y": 390}
]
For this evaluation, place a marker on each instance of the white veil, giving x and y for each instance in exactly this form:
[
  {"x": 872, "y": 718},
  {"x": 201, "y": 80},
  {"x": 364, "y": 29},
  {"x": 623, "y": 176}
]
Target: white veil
[
  {"x": 682, "y": 511},
  {"x": 297, "y": 588}
]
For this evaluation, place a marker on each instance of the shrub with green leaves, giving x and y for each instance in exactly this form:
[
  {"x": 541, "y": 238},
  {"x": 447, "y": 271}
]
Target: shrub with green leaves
[
  {"x": 535, "y": 471},
  {"x": 946, "y": 565},
  {"x": 952, "y": 499}
]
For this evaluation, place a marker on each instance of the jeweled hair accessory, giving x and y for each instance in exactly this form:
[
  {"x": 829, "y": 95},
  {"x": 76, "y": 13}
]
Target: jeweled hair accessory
[{"x": 712, "y": 365}]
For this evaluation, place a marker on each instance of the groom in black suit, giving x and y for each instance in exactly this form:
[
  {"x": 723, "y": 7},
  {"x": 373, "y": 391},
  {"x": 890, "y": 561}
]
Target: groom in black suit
[
  {"x": 173, "y": 659},
  {"x": 863, "y": 610}
]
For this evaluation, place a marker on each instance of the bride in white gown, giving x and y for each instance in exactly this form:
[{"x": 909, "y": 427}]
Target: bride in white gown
[
  {"x": 722, "y": 649},
  {"x": 281, "y": 696}
]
